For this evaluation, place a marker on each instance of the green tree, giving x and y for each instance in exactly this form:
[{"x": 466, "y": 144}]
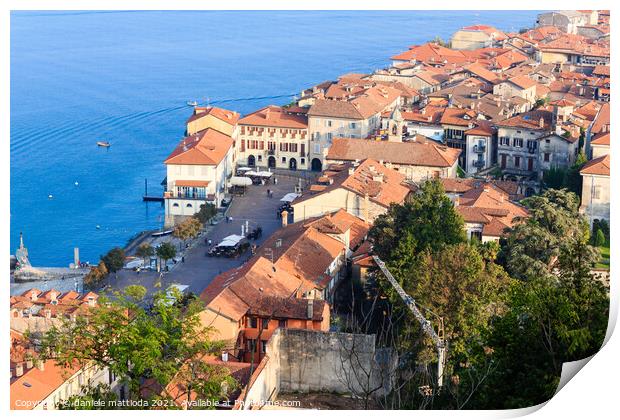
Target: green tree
[
  {"x": 166, "y": 251},
  {"x": 427, "y": 222},
  {"x": 207, "y": 211},
  {"x": 114, "y": 260},
  {"x": 533, "y": 245},
  {"x": 145, "y": 251},
  {"x": 599, "y": 239},
  {"x": 143, "y": 341}
]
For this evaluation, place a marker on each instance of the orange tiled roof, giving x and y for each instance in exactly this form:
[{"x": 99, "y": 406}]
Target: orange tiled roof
[
  {"x": 225, "y": 115},
  {"x": 207, "y": 147},
  {"x": 598, "y": 166},
  {"x": 275, "y": 116},
  {"x": 421, "y": 152}
]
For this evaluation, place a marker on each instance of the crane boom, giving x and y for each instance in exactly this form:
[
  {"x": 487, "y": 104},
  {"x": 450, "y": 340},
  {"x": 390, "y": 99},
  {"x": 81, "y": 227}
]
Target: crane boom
[{"x": 424, "y": 323}]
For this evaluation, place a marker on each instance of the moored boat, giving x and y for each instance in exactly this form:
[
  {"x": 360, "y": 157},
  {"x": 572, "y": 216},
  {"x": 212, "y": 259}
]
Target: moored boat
[
  {"x": 192, "y": 103},
  {"x": 103, "y": 143}
]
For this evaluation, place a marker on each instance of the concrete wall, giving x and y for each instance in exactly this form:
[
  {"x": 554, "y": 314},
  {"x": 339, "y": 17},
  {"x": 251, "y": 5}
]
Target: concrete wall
[{"x": 315, "y": 361}]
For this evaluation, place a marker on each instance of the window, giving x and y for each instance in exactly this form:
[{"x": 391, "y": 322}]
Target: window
[
  {"x": 517, "y": 161},
  {"x": 596, "y": 192},
  {"x": 175, "y": 205},
  {"x": 303, "y": 161},
  {"x": 476, "y": 234},
  {"x": 546, "y": 157},
  {"x": 282, "y": 323},
  {"x": 329, "y": 136},
  {"x": 250, "y": 345},
  {"x": 328, "y": 123},
  {"x": 547, "y": 141},
  {"x": 283, "y": 159},
  {"x": 352, "y": 126},
  {"x": 504, "y": 141},
  {"x": 253, "y": 322},
  {"x": 532, "y": 144},
  {"x": 265, "y": 322},
  {"x": 317, "y": 148},
  {"x": 263, "y": 346},
  {"x": 260, "y": 158},
  {"x": 517, "y": 142}
]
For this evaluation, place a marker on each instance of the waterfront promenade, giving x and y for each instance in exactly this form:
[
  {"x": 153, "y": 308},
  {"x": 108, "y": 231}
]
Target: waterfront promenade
[{"x": 199, "y": 270}]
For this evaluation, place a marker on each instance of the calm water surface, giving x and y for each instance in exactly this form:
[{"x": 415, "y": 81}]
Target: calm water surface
[{"x": 124, "y": 77}]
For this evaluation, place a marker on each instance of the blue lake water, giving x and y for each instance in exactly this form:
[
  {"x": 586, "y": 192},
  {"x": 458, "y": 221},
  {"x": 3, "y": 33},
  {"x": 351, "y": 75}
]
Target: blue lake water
[{"x": 124, "y": 77}]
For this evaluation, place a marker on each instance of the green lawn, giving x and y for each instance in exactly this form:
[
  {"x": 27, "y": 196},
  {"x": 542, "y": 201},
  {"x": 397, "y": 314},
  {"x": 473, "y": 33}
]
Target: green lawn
[{"x": 604, "y": 263}]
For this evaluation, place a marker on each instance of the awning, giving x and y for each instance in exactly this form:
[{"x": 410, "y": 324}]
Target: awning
[
  {"x": 183, "y": 183},
  {"x": 252, "y": 173},
  {"x": 239, "y": 181},
  {"x": 289, "y": 197},
  {"x": 265, "y": 174},
  {"x": 244, "y": 169},
  {"x": 231, "y": 240}
]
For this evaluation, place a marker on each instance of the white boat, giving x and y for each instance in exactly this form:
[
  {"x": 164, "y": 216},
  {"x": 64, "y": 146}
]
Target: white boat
[
  {"x": 103, "y": 143},
  {"x": 192, "y": 103}
]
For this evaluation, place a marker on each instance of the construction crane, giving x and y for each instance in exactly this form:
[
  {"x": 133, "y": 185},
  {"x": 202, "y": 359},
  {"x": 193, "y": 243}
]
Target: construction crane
[{"x": 437, "y": 337}]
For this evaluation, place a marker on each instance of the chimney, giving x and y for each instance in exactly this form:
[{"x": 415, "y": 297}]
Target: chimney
[
  {"x": 284, "y": 218},
  {"x": 456, "y": 201},
  {"x": 40, "y": 365},
  {"x": 351, "y": 170},
  {"x": 310, "y": 308},
  {"x": 19, "y": 370},
  {"x": 541, "y": 122},
  {"x": 29, "y": 363},
  {"x": 224, "y": 356}
]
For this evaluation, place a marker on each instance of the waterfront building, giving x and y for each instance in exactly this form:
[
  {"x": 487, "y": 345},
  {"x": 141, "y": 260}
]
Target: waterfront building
[
  {"x": 197, "y": 171},
  {"x": 273, "y": 137},
  {"x": 219, "y": 119},
  {"x": 477, "y": 36}
]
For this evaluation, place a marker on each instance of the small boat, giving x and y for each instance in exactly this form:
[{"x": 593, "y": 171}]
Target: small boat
[
  {"x": 192, "y": 103},
  {"x": 103, "y": 143},
  {"x": 164, "y": 233}
]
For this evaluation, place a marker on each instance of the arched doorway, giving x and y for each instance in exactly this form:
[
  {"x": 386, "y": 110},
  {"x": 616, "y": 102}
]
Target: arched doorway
[
  {"x": 292, "y": 164},
  {"x": 317, "y": 165},
  {"x": 251, "y": 160},
  {"x": 271, "y": 162}
]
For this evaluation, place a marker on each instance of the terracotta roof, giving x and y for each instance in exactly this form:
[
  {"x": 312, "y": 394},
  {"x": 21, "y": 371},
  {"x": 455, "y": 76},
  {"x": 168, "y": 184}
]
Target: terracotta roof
[
  {"x": 275, "y": 116},
  {"x": 421, "y": 152},
  {"x": 602, "y": 121},
  {"x": 225, "y": 115},
  {"x": 459, "y": 116},
  {"x": 601, "y": 70},
  {"x": 482, "y": 128},
  {"x": 601, "y": 139},
  {"x": 523, "y": 82},
  {"x": 287, "y": 308},
  {"x": 482, "y": 72},
  {"x": 208, "y": 147},
  {"x": 369, "y": 102},
  {"x": 490, "y": 206},
  {"x": 598, "y": 166},
  {"x": 530, "y": 120}
]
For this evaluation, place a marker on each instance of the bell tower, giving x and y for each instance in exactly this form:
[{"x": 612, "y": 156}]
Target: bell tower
[{"x": 395, "y": 125}]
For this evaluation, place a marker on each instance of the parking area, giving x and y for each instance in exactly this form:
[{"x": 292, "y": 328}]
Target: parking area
[{"x": 197, "y": 270}]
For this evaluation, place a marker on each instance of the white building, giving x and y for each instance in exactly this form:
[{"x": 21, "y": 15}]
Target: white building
[
  {"x": 197, "y": 171},
  {"x": 595, "y": 190}
]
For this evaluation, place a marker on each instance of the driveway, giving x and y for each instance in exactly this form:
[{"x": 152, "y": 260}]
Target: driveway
[{"x": 199, "y": 270}]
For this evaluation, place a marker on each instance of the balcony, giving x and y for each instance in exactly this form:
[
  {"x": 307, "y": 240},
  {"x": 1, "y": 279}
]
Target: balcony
[
  {"x": 479, "y": 148},
  {"x": 186, "y": 196},
  {"x": 271, "y": 152}
]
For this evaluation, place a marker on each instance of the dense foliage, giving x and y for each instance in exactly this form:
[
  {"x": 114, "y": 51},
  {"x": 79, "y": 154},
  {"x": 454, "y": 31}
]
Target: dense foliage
[{"x": 511, "y": 316}]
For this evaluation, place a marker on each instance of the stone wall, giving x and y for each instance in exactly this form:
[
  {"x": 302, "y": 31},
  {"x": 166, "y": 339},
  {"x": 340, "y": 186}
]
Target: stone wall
[{"x": 315, "y": 361}]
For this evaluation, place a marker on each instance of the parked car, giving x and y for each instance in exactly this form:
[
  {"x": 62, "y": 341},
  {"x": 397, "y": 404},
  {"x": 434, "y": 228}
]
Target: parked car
[{"x": 256, "y": 233}]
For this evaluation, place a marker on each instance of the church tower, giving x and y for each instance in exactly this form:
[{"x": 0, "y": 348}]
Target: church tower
[{"x": 395, "y": 125}]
